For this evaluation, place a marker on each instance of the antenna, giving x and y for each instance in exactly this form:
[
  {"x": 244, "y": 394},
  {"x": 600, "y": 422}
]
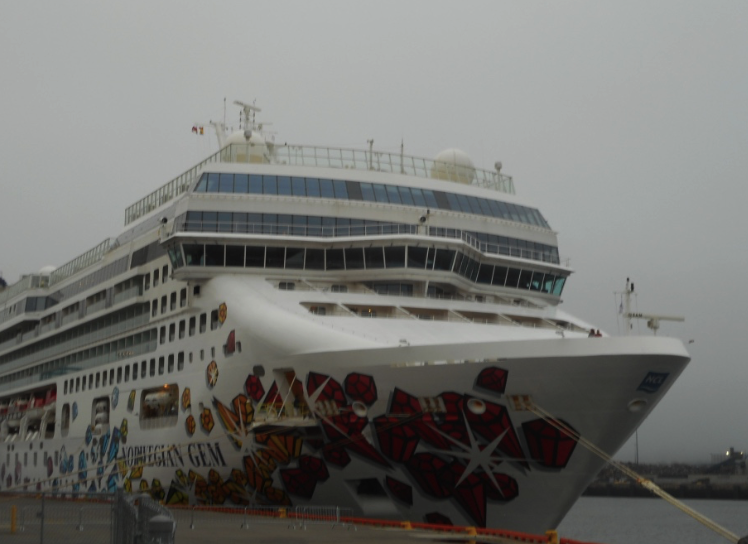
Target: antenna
[
  {"x": 247, "y": 110},
  {"x": 653, "y": 320}
]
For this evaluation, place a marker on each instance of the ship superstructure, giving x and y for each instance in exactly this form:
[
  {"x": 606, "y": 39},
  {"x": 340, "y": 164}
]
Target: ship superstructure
[{"x": 289, "y": 325}]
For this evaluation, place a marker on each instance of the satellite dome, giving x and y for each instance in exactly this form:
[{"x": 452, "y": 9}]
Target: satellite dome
[
  {"x": 47, "y": 270},
  {"x": 453, "y": 165}
]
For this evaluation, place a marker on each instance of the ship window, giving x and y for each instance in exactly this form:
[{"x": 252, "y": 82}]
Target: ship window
[
  {"x": 173, "y": 301},
  {"x": 537, "y": 281},
  {"x": 182, "y": 326},
  {"x": 111, "y": 376},
  {"x": 367, "y": 192},
  {"x": 499, "y": 276},
  {"x": 284, "y": 185},
  {"x": 147, "y": 282},
  {"x": 163, "y": 304},
  {"x": 214, "y": 320},
  {"x": 162, "y": 335},
  {"x": 155, "y": 277},
  {"x": 212, "y": 183},
  {"x": 298, "y": 185},
  {"x": 275, "y": 257},
  {"x": 255, "y": 257},
  {"x": 315, "y": 259},
  {"x": 374, "y": 257},
  {"x": 119, "y": 374},
  {"x": 395, "y": 256},
  {"x": 214, "y": 255},
  {"x": 325, "y": 188},
  {"x": 241, "y": 183},
  {"x": 165, "y": 273},
  {"x": 416, "y": 257},
  {"x": 558, "y": 285},
  {"x": 98, "y": 379},
  {"x": 202, "y": 354},
  {"x": 192, "y": 326},
  {"x": 154, "y": 306},
  {"x": 201, "y": 186},
  {"x": 335, "y": 259},
  {"x": 235, "y": 256},
  {"x": 269, "y": 185},
  {"x": 143, "y": 369},
  {"x": 444, "y": 259},
  {"x": 354, "y": 258},
  {"x": 172, "y": 332},
  {"x": 485, "y": 273},
  {"x": 153, "y": 367},
  {"x": 203, "y": 322},
  {"x": 127, "y": 374},
  {"x": 226, "y": 183},
  {"x": 194, "y": 254},
  {"x": 286, "y": 286},
  {"x": 295, "y": 258},
  {"x": 312, "y": 187},
  {"x": 77, "y": 384},
  {"x": 512, "y": 277},
  {"x": 65, "y": 387},
  {"x": 524, "y": 279},
  {"x": 255, "y": 184},
  {"x": 180, "y": 360},
  {"x": 134, "y": 371},
  {"x": 160, "y": 365},
  {"x": 170, "y": 364},
  {"x": 158, "y": 407},
  {"x": 341, "y": 192}
]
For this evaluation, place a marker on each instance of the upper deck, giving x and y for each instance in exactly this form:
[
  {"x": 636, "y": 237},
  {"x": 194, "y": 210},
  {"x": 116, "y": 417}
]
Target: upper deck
[{"x": 324, "y": 157}]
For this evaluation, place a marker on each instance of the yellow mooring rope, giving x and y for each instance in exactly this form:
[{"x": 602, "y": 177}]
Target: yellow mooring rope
[{"x": 648, "y": 484}]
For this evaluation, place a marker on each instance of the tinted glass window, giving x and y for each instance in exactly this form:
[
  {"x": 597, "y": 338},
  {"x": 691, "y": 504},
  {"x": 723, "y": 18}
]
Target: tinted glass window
[
  {"x": 418, "y": 197},
  {"x": 315, "y": 259},
  {"x": 417, "y": 257},
  {"x": 335, "y": 259},
  {"x": 275, "y": 257},
  {"x": 226, "y": 183},
  {"x": 194, "y": 254},
  {"x": 312, "y": 187},
  {"x": 367, "y": 192},
  {"x": 354, "y": 258},
  {"x": 284, "y": 185},
  {"x": 325, "y": 188},
  {"x": 340, "y": 189},
  {"x": 405, "y": 196},
  {"x": 374, "y": 257},
  {"x": 255, "y": 257},
  {"x": 294, "y": 257},
  {"x": 393, "y": 194},
  {"x": 213, "y": 255},
  {"x": 241, "y": 183},
  {"x": 212, "y": 183},
  {"x": 443, "y": 259},
  {"x": 235, "y": 256},
  {"x": 255, "y": 184},
  {"x": 298, "y": 186},
  {"x": 395, "y": 256},
  {"x": 269, "y": 185}
]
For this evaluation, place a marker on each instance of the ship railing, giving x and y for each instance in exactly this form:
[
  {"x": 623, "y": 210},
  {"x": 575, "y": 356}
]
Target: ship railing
[
  {"x": 328, "y": 515},
  {"x": 324, "y": 157}
]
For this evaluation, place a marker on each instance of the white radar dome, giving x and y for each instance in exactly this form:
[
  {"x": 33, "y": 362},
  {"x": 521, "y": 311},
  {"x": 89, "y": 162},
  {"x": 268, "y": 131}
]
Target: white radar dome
[
  {"x": 453, "y": 165},
  {"x": 250, "y": 146},
  {"x": 47, "y": 270}
]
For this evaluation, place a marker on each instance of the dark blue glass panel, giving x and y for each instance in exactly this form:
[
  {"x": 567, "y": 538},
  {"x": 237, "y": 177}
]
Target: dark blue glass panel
[
  {"x": 454, "y": 204},
  {"x": 255, "y": 184},
  {"x": 341, "y": 191},
  {"x": 298, "y": 186},
  {"x": 284, "y": 185},
  {"x": 269, "y": 185},
  {"x": 299, "y": 225},
  {"x": 380, "y": 193},
  {"x": 285, "y": 223},
  {"x": 226, "y": 183},
  {"x": 464, "y": 204},
  {"x": 418, "y": 197},
  {"x": 202, "y": 185},
  {"x": 393, "y": 194},
  {"x": 212, "y": 183},
  {"x": 241, "y": 183},
  {"x": 314, "y": 225},
  {"x": 312, "y": 187},
  {"x": 405, "y": 196},
  {"x": 367, "y": 192},
  {"x": 325, "y": 188}
]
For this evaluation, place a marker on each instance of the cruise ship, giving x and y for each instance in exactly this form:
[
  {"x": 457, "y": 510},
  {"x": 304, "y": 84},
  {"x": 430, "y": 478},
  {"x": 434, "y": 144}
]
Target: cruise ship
[{"x": 291, "y": 325}]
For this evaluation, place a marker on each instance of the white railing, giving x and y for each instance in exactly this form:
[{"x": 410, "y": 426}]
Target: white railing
[{"x": 324, "y": 157}]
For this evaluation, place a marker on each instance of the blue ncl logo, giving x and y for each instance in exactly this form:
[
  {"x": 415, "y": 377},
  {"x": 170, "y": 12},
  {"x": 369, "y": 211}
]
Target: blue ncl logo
[{"x": 653, "y": 381}]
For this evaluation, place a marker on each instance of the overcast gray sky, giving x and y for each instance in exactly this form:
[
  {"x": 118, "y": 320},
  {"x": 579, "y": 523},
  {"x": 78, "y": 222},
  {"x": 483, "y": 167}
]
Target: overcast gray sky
[{"x": 626, "y": 123}]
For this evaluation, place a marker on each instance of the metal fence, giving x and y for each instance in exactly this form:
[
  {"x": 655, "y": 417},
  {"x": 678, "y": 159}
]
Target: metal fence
[{"x": 83, "y": 518}]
